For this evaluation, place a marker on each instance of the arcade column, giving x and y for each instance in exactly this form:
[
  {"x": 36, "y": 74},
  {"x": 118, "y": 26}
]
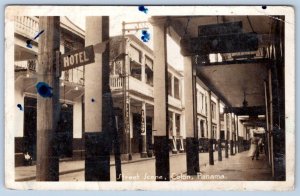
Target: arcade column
[
  {"x": 219, "y": 131},
  {"x": 226, "y": 135},
  {"x": 160, "y": 75},
  {"x": 209, "y": 129},
  {"x": 144, "y": 130},
  {"x": 230, "y": 134},
  {"x": 192, "y": 143},
  {"x": 97, "y": 138}
]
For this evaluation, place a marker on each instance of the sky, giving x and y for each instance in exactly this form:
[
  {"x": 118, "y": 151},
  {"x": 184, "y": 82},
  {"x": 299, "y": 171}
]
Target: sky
[{"x": 174, "y": 57}]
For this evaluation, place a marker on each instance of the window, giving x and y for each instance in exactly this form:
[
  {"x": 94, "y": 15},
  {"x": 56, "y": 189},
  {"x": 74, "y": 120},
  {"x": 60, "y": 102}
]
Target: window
[
  {"x": 214, "y": 131},
  {"x": 176, "y": 88},
  {"x": 177, "y": 117},
  {"x": 213, "y": 110},
  {"x": 202, "y": 128},
  {"x": 149, "y": 71},
  {"x": 135, "y": 54},
  {"x": 169, "y": 84}
]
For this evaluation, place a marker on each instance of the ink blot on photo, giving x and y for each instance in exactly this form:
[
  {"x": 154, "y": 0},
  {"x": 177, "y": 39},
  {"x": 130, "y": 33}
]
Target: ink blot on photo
[
  {"x": 142, "y": 8},
  {"x": 93, "y": 100},
  {"x": 44, "y": 89},
  {"x": 145, "y": 36},
  {"x": 20, "y": 106},
  {"x": 28, "y": 42}
]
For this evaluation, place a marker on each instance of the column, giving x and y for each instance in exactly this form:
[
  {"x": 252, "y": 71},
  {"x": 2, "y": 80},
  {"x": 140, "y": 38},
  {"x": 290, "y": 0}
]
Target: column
[
  {"x": 192, "y": 143},
  {"x": 230, "y": 134},
  {"x": 97, "y": 108},
  {"x": 267, "y": 122},
  {"x": 182, "y": 124},
  {"x": 236, "y": 134},
  {"x": 160, "y": 76},
  {"x": 226, "y": 135},
  {"x": 48, "y": 109},
  {"x": 209, "y": 129},
  {"x": 174, "y": 139},
  {"x": 219, "y": 131},
  {"x": 144, "y": 130}
]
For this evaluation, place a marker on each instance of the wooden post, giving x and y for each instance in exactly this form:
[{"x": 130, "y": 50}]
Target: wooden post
[{"x": 48, "y": 109}]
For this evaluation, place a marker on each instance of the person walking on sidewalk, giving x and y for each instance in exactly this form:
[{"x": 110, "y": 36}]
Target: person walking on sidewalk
[{"x": 253, "y": 152}]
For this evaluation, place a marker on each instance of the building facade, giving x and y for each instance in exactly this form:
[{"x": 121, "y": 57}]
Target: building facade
[{"x": 131, "y": 84}]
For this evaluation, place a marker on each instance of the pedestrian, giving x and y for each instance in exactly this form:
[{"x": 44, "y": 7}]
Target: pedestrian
[
  {"x": 27, "y": 159},
  {"x": 253, "y": 148}
]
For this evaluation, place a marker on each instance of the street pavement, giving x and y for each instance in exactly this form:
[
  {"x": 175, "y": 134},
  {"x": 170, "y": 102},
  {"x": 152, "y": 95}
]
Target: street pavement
[{"x": 237, "y": 167}]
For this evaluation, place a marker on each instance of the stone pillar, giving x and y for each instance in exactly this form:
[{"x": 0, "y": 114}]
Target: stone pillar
[
  {"x": 144, "y": 130},
  {"x": 48, "y": 108},
  {"x": 226, "y": 135},
  {"x": 97, "y": 136},
  {"x": 219, "y": 131},
  {"x": 192, "y": 143},
  {"x": 160, "y": 76},
  {"x": 230, "y": 134},
  {"x": 209, "y": 128}
]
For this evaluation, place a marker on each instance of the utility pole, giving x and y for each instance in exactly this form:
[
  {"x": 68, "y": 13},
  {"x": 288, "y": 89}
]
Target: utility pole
[
  {"x": 48, "y": 108},
  {"x": 126, "y": 146}
]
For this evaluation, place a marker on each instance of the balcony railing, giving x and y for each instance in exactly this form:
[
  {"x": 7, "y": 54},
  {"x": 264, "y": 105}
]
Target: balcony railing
[
  {"x": 74, "y": 75},
  {"x": 28, "y": 26},
  {"x": 26, "y": 65},
  {"x": 115, "y": 82}
]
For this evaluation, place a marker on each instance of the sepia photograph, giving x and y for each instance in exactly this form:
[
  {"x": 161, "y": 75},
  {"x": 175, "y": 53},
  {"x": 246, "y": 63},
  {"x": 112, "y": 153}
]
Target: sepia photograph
[{"x": 149, "y": 97}]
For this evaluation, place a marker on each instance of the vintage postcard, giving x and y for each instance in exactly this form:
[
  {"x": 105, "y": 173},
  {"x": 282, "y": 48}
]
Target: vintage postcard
[{"x": 150, "y": 97}]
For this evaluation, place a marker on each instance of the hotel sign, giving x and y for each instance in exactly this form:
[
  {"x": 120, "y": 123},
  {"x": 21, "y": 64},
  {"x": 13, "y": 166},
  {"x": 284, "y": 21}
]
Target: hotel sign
[{"x": 77, "y": 58}]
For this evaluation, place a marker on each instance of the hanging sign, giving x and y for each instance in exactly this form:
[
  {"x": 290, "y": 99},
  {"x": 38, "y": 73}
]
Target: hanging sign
[{"x": 77, "y": 58}]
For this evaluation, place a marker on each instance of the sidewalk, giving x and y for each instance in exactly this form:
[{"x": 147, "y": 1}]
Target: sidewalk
[
  {"x": 28, "y": 173},
  {"x": 237, "y": 167}
]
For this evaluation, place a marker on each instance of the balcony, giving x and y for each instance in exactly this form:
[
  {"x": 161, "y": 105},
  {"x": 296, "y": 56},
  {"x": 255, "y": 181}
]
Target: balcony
[
  {"x": 135, "y": 85},
  {"x": 29, "y": 65},
  {"x": 27, "y": 26},
  {"x": 75, "y": 76},
  {"x": 115, "y": 82}
]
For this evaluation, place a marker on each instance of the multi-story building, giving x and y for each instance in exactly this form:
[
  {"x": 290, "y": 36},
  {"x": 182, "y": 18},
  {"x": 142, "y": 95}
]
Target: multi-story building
[
  {"x": 131, "y": 84},
  {"x": 71, "y": 90}
]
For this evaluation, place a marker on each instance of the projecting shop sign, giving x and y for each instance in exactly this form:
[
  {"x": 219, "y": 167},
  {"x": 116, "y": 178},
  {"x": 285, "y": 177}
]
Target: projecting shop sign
[{"x": 77, "y": 58}]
